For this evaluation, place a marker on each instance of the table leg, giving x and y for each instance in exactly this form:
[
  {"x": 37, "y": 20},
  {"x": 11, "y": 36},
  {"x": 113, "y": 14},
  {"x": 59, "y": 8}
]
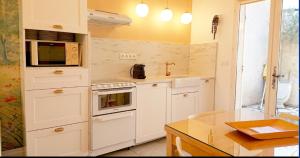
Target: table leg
[{"x": 170, "y": 147}]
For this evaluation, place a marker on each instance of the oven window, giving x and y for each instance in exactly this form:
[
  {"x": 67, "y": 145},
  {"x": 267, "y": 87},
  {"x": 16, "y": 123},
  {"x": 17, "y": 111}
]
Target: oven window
[
  {"x": 51, "y": 53},
  {"x": 114, "y": 100}
]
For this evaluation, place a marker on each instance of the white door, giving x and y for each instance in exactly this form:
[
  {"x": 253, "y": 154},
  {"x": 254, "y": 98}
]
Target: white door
[
  {"x": 253, "y": 53},
  {"x": 265, "y": 89},
  {"x": 55, "y": 15},
  {"x": 151, "y": 111},
  {"x": 284, "y": 69},
  {"x": 207, "y": 96},
  {"x": 184, "y": 105}
]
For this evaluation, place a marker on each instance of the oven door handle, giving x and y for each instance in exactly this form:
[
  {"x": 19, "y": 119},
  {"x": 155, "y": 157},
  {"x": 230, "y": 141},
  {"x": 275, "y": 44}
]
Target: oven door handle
[
  {"x": 113, "y": 92},
  {"x": 111, "y": 118}
]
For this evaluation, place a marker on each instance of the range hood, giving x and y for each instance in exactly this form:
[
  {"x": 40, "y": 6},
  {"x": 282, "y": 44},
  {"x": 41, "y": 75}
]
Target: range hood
[{"x": 100, "y": 17}]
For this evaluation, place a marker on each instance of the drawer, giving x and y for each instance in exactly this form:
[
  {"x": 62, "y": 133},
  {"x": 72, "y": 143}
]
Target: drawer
[
  {"x": 71, "y": 140},
  {"x": 155, "y": 85},
  {"x": 113, "y": 129},
  {"x": 55, "y": 107},
  {"x": 45, "y": 78}
]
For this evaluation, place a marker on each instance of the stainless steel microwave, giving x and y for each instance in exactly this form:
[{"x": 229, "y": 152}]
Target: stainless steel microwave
[{"x": 52, "y": 53}]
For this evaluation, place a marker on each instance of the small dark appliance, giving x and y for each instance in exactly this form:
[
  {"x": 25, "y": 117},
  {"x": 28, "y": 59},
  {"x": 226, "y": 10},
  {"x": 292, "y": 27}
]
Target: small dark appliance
[{"x": 138, "y": 71}]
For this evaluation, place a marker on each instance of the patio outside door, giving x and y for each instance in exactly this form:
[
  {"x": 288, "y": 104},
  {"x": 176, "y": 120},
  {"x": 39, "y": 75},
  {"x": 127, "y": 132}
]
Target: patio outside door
[
  {"x": 267, "y": 60},
  {"x": 283, "y": 96}
]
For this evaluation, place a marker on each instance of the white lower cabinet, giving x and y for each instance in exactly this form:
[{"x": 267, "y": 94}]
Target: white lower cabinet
[
  {"x": 184, "y": 105},
  {"x": 55, "y": 107},
  {"x": 151, "y": 111},
  {"x": 70, "y": 140},
  {"x": 207, "y": 96}
]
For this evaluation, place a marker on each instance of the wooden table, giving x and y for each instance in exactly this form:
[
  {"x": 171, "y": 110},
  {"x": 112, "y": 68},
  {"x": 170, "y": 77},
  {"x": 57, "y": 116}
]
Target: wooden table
[{"x": 208, "y": 135}]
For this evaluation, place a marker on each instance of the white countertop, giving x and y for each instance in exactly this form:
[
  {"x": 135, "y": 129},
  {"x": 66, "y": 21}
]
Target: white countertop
[{"x": 162, "y": 79}]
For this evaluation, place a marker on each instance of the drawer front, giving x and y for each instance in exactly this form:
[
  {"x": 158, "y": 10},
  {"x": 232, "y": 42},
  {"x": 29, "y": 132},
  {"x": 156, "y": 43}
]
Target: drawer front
[
  {"x": 113, "y": 129},
  {"x": 54, "y": 107},
  {"x": 71, "y": 140},
  {"x": 46, "y": 78}
]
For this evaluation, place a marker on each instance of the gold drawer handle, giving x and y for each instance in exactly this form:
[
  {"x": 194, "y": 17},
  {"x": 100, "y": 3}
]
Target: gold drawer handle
[
  {"x": 154, "y": 85},
  {"x": 57, "y": 130},
  {"x": 185, "y": 95},
  {"x": 58, "y": 72},
  {"x": 58, "y": 27},
  {"x": 59, "y": 91}
]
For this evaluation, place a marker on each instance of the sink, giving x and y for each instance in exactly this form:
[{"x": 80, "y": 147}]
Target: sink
[{"x": 185, "y": 81}]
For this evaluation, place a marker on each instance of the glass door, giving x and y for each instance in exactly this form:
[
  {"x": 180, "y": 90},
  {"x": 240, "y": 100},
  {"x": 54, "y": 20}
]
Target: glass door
[
  {"x": 253, "y": 54},
  {"x": 284, "y": 73}
]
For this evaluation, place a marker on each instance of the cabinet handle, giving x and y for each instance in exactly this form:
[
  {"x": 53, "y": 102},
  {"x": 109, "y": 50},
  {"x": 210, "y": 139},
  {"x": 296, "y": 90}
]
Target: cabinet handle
[
  {"x": 185, "y": 95},
  {"x": 154, "y": 85},
  {"x": 206, "y": 81},
  {"x": 59, "y": 91},
  {"x": 58, "y": 72},
  {"x": 57, "y": 130},
  {"x": 58, "y": 27}
]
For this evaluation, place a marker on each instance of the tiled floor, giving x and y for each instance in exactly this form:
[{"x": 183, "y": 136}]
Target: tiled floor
[
  {"x": 288, "y": 109},
  {"x": 155, "y": 148}
]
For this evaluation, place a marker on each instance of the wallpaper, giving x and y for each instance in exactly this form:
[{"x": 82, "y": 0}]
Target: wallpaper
[{"x": 10, "y": 91}]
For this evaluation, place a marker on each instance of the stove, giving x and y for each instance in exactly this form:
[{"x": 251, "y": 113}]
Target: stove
[{"x": 111, "y": 84}]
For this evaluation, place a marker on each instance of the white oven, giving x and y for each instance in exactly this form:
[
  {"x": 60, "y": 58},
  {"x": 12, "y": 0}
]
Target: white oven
[
  {"x": 106, "y": 101},
  {"x": 113, "y": 116}
]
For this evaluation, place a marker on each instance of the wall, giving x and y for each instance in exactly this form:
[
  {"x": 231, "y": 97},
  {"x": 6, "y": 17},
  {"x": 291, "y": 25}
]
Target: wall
[
  {"x": 255, "y": 51},
  {"x": 203, "y": 59},
  {"x": 203, "y": 11},
  {"x": 10, "y": 91},
  {"x": 107, "y": 65},
  {"x": 150, "y": 28}
]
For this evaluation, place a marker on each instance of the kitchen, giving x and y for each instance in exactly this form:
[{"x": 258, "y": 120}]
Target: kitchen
[{"x": 116, "y": 75}]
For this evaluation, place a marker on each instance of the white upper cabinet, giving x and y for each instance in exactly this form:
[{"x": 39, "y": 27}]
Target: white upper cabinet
[{"x": 55, "y": 15}]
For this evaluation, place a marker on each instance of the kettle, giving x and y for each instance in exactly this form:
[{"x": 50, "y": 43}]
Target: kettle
[{"x": 137, "y": 71}]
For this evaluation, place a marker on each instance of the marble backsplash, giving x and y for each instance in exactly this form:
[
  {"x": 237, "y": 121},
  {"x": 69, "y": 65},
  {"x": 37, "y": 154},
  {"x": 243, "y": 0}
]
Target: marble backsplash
[
  {"x": 203, "y": 59},
  {"x": 106, "y": 63}
]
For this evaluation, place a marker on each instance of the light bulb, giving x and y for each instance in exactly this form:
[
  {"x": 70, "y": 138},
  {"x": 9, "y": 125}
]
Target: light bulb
[
  {"x": 142, "y": 9},
  {"x": 186, "y": 18},
  {"x": 166, "y": 14}
]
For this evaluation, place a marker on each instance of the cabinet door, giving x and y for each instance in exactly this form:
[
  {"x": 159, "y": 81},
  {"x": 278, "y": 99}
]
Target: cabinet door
[
  {"x": 55, "y": 15},
  {"x": 55, "y": 107},
  {"x": 184, "y": 105},
  {"x": 46, "y": 78},
  {"x": 207, "y": 96},
  {"x": 71, "y": 140},
  {"x": 151, "y": 111},
  {"x": 106, "y": 129}
]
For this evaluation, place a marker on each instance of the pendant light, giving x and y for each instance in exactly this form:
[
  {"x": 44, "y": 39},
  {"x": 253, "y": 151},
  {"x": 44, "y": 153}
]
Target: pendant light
[
  {"x": 186, "y": 17},
  {"x": 166, "y": 14},
  {"x": 142, "y": 9}
]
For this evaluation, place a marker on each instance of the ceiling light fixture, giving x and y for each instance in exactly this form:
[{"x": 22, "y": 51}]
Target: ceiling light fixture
[
  {"x": 142, "y": 9},
  {"x": 186, "y": 18},
  {"x": 166, "y": 14}
]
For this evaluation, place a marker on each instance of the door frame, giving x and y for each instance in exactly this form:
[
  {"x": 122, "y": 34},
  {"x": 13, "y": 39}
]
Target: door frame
[{"x": 273, "y": 49}]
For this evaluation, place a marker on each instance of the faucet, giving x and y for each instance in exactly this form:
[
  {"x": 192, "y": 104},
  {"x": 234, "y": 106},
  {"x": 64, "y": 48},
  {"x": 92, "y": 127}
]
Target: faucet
[{"x": 167, "y": 68}]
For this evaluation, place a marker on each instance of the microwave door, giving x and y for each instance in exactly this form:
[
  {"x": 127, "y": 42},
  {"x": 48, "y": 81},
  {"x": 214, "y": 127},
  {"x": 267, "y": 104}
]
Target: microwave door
[{"x": 34, "y": 53}]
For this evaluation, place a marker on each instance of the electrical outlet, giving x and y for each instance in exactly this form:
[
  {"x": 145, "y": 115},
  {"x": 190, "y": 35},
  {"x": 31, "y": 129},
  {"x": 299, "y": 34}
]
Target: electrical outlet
[{"x": 128, "y": 56}]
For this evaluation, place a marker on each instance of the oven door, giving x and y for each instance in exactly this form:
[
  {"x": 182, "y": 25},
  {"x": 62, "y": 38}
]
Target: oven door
[{"x": 113, "y": 100}]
